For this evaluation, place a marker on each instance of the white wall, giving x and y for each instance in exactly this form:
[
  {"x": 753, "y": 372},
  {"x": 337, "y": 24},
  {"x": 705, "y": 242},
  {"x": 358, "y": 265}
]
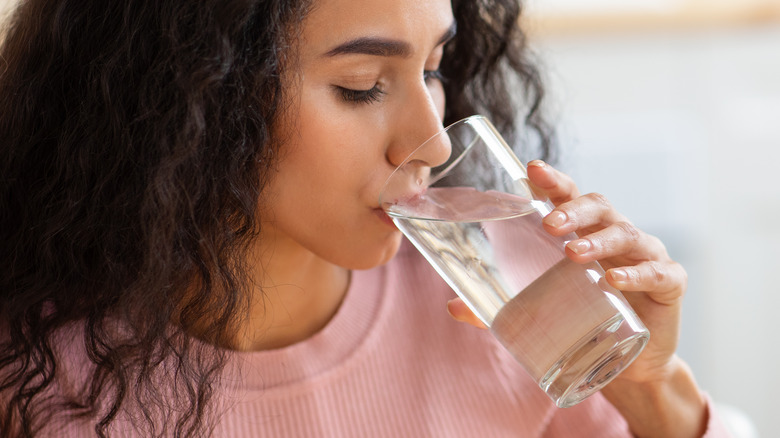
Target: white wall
[{"x": 681, "y": 130}]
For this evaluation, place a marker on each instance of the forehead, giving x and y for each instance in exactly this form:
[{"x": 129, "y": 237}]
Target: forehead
[{"x": 331, "y": 22}]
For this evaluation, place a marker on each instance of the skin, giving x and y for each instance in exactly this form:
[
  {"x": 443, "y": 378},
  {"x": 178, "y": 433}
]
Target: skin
[
  {"x": 657, "y": 394},
  {"x": 321, "y": 215}
]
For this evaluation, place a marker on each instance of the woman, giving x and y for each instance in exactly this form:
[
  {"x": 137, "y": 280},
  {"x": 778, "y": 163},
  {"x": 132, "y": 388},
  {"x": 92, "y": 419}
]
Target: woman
[{"x": 192, "y": 243}]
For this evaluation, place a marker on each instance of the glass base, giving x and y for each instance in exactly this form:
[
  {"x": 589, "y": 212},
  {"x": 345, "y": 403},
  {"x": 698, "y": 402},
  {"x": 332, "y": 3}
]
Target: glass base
[{"x": 593, "y": 362}]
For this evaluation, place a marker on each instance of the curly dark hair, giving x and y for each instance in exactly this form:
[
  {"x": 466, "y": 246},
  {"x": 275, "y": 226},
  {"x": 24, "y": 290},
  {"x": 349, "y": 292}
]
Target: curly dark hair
[{"x": 134, "y": 143}]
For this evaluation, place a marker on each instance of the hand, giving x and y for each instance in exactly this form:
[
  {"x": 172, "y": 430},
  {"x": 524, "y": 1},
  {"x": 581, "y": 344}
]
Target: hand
[
  {"x": 657, "y": 394},
  {"x": 635, "y": 262}
]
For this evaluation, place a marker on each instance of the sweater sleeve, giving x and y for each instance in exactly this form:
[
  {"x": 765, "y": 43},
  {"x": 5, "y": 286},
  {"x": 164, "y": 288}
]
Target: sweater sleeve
[
  {"x": 597, "y": 417},
  {"x": 716, "y": 428}
]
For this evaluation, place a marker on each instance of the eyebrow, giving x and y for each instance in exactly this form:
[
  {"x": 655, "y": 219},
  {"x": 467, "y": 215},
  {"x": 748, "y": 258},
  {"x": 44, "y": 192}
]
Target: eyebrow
[{"x": 384, "y": 47}]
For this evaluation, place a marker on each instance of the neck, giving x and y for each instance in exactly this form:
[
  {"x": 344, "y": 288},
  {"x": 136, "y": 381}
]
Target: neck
[{"x": 297, "y": 295}]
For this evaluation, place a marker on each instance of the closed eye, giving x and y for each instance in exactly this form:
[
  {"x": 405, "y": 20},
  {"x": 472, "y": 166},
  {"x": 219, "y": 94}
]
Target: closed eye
[
  {"x": 371, "y": 95},
  {"x": 374, "y": 94}
]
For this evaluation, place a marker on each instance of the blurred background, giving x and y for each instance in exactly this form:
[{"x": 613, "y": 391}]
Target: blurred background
[{"x": 671, "y": 108}]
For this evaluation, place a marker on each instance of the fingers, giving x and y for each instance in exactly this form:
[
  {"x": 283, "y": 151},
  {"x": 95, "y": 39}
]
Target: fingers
[
  {"x": 587, "y": 211},
  {"x": 621, "y": 239},
  {"x": 557, "y": 186},
  {"x": 607, "y": 236},
  {"x": 604, "y": 232},
  {"x": 664, "y": 281},
  {"x": 461, "y": 312}
]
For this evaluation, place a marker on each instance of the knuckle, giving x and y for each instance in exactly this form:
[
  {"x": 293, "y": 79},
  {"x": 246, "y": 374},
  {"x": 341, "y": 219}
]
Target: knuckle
[
  {"x": 628, "y": 229},
  {"x": 569, "y": 183},
  {"x": 656, "y": 242},
  {"x": 656, "y": 273},
  {"x": 683, "y": 275},
  {"x": 656, "y": 247},
  {"x": 599, "y": 199}
]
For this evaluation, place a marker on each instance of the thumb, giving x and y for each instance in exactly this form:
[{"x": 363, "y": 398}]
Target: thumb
[{"x": 461, "y": 312}]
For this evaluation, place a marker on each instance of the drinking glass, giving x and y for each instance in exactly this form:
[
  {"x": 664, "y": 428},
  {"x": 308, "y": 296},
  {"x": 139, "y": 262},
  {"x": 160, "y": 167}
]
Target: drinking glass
[{"x": 477, "y": 220}]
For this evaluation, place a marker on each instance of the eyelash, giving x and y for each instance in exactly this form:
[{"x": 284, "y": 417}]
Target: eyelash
[
  {"x": 375, "y": 93},
  {"x": 361, "y": 96}
]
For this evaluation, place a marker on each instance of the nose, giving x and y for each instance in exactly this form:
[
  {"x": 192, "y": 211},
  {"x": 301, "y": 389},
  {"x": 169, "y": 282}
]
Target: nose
[{"x": 418, "y": 121}]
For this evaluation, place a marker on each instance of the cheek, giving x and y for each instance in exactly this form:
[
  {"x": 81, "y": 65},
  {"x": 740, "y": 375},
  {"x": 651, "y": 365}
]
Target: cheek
[
  {"x": 326, "y": 187},
  {"x": 336, "y": 132}
]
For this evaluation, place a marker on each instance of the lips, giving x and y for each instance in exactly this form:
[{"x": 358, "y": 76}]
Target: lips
[{"x": 384, "y": 217}]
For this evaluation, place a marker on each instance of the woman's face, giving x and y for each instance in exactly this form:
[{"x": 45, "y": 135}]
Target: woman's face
[{"x": 363, "y": 95}]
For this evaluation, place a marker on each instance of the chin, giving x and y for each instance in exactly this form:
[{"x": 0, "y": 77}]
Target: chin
[{"x": 368, "y": 258}]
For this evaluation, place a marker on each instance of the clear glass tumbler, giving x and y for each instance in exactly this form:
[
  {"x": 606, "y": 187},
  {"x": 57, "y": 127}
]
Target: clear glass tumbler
[{"x": 477, "y": 221}]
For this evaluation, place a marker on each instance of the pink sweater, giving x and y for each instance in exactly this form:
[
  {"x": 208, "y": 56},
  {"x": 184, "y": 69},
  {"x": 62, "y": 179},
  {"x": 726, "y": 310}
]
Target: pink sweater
[{"x": 392, "y": 363}]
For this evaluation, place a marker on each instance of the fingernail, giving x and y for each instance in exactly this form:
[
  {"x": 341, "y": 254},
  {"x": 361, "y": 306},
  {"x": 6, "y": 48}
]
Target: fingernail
[
  {"x": 537, "y": 163},
  {"x": 449, "y": 304},
  {"x": 580, "y": 246},
  {"x": 555, "y": 219},
  {"x": 618, "y": 275}
]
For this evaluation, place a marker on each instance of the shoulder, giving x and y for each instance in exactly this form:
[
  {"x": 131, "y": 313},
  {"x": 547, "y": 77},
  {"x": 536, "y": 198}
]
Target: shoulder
[{"x": 68, "y": 370}]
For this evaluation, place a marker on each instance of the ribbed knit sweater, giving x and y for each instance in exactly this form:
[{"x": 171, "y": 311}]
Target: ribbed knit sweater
[{"x": 392, "y": 363}]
